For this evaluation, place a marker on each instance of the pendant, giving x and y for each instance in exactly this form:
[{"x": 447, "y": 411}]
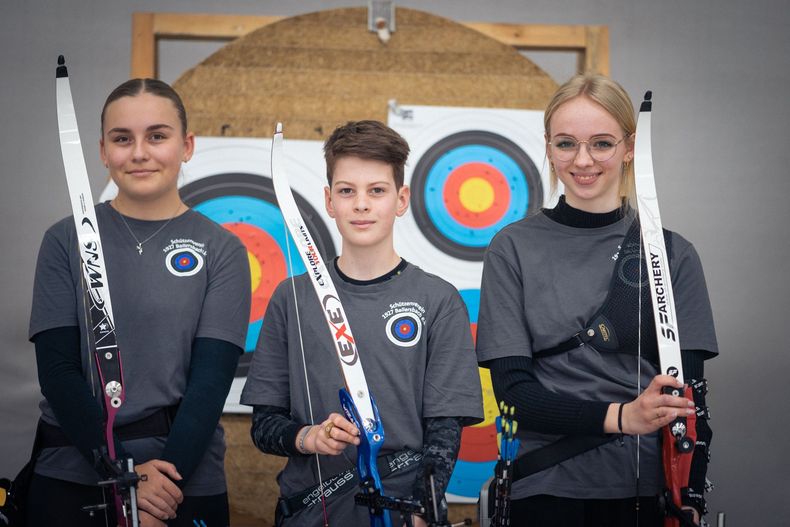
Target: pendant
[{"x": 139, "y": 248}]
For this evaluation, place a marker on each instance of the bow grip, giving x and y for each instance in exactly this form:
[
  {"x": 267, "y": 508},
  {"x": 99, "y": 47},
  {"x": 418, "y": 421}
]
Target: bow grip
[
  {"x": 371, "y": 439},
  {"x": 677, "y": 463},
  {"x": 679, "y": 427}
]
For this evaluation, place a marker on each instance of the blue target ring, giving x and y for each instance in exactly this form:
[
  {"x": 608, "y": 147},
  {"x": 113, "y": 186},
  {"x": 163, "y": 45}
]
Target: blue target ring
[
  {"x": 183, "y": 261},
  {"x": 471, "y": 298},
  {"x": 246, "y": 204},
  {"x": 265, "y": 216},
  {"x": 462, "y": 223},
  {"x": 435, "y": 202},
  {"x": 469, "y": 477},
  {"x": 257, "y": 212},
  {"x": 404, "y": 330}
]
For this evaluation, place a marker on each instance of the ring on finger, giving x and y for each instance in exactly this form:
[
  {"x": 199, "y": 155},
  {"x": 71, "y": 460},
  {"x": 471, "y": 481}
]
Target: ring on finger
[{"x": 328, "y": 429}]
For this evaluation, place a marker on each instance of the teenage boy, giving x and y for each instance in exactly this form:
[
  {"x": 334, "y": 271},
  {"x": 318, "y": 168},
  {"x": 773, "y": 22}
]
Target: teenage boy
[{"x": 412, "y": 332}]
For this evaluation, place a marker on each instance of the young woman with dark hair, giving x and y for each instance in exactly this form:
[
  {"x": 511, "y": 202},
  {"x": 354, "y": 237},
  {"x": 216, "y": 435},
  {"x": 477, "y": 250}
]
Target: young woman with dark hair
[{"x": 180, "y": 286}]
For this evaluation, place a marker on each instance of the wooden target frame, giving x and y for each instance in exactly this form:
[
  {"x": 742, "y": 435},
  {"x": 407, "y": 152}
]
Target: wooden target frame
[{"x": 589, "y": 42}]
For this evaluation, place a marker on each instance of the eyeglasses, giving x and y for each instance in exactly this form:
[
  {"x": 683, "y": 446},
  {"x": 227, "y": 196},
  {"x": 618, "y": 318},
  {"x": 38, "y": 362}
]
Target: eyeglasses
[{"x": 600, "y": 147}]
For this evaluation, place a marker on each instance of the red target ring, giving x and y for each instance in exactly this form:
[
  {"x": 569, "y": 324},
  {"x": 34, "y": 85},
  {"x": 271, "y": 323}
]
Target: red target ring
[
  {"x": 266, "y": 254},
  {"x": 469, "y": 185},
  {"x": 246, "y": 205},
  {"x": 476, "y": 195}
]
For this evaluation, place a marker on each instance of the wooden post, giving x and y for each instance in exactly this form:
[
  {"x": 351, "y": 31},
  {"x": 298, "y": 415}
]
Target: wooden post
[
  {"x": 144, "y": 51},
  {"x": 595, "y": 57}
]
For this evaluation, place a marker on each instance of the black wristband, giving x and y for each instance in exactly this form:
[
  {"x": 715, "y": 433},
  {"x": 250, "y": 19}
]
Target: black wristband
[{"x": 620, "y": 418}]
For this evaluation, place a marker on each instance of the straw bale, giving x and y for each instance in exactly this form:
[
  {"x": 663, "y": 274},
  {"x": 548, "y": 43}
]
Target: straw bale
[{"x": 317, "y": 70}]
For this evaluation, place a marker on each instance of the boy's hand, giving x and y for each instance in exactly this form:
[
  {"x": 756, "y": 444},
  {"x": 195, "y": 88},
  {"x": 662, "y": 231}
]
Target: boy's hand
[{"x": 332, "y": 436}]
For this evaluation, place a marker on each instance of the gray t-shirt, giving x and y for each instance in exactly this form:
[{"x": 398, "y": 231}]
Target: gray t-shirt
[
  {"x": 542, "y": 281},
  {"x": 415, "y": 344},
  {"x": 192, "y": 280}
]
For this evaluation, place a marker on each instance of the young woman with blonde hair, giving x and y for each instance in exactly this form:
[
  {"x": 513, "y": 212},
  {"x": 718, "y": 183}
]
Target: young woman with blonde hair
[{"x": 557, "y": 277}]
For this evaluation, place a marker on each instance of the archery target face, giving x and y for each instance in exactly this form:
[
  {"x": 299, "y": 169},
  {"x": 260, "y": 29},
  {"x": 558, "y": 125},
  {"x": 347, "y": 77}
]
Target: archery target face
[
  {"x": 404, "y": 330},
  {"x": 228, "y": 180},
  {"x": 184, "y": 262},
  {"x": 471, "y": 172},
  {"x": 469, "y": 185},
  {"x": 478, "y": 453},
  {"x": 246, "y": 205}
]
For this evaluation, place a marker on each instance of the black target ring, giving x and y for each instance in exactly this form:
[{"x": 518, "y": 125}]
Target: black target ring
[{"x": 445, "y": 221}]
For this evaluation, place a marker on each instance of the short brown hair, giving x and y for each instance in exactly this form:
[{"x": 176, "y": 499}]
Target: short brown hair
[
  {"x": 134, "y": 87},
  {"x": 367, "y": 140}
]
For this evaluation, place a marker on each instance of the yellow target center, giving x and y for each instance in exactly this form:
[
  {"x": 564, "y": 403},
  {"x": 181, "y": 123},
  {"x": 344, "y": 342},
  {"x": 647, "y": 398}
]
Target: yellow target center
[
  {"x": 476, "y": 194},
  {"x": 255, "y": 271},
  {"x": 490, "y": 408}
]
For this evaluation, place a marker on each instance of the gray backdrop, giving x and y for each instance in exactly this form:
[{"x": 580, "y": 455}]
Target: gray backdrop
[{"x": 719, "y": 71}]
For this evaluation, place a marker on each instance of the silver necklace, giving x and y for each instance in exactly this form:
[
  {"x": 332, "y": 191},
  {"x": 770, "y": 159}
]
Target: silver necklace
[{"x": 139, "y": 245}]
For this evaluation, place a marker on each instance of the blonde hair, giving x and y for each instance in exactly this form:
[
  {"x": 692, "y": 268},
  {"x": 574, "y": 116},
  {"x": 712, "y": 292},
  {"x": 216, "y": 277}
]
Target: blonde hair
[{"x": 614, "y": 99}]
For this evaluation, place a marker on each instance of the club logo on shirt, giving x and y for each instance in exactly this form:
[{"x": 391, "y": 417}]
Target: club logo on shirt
[
  {"x": 184, "y": 257},
  {"x": 404, "y": 323}
]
